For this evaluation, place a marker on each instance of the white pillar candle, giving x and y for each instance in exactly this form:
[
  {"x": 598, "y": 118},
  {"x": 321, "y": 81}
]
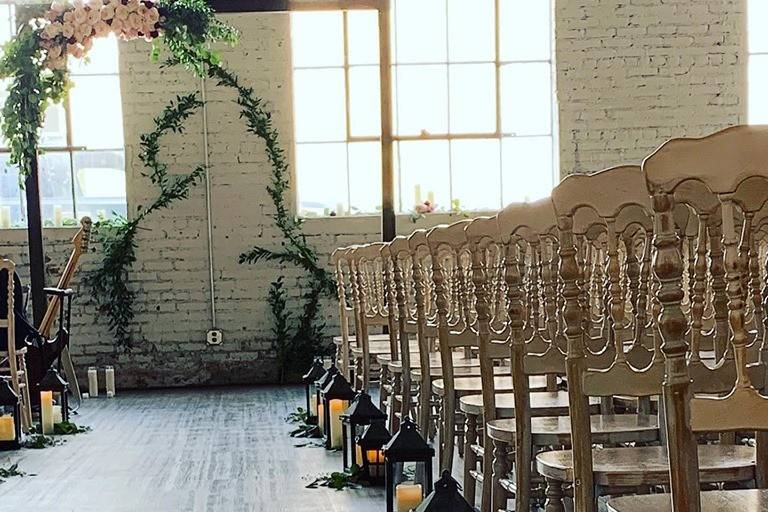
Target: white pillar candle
[
  {"x": 340, "y": 210},
  {"x": 7, "y": 428},
  {"x": 417, "y": 194},
  {"x": 46, "y": 411},
  {"x": 313, "y": 404},
  {"x": 109, "y": 378},
  {"x": 431, "y": 197},
  {"x": 337, "y": 409},
  {"x": 321, "y": 416},
  {"x": 93, "y": 382},
  {"x": 5, "y": 217},
  {"x": 56, "y": 412},
  {"x": 407, "y": 496},
  {"x": 58, "y": 215}
]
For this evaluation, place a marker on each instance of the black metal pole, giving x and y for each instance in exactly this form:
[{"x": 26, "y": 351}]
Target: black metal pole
[{"x": 35, "y": 241}]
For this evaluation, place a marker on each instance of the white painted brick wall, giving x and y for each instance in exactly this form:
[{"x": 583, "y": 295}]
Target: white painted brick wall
[{"x": 629, "y": 74}]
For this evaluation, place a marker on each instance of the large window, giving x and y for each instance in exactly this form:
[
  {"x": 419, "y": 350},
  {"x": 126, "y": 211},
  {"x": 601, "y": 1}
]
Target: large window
[
  {"x": 757, "y": 13},
  {"x": 472, "y": 105},
  {"x": 82, "y": 160}
]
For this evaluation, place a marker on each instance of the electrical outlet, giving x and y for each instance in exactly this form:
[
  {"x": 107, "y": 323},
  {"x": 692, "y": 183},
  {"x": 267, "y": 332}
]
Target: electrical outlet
[{"x": 215, "y": 337}]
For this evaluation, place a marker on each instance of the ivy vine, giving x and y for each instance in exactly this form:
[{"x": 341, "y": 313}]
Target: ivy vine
[{"x": 189, "y": 28}]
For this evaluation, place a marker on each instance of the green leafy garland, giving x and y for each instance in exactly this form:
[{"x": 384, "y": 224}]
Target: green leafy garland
[{"x": 189, "y": 28}]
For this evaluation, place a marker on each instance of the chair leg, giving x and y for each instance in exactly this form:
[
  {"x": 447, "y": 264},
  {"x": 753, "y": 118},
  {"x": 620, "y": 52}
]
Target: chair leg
[
  {"x": 26, "y": 400},
  {"x": 470, "y": 459},
  {"x": 447, "y": 431},
  {"x": 500, "y": 470},
  {"x": 554, "y": 496}
]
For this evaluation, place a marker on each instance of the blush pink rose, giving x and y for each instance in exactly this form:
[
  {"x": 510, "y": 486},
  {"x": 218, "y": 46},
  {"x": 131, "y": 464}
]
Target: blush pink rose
[
  {"x": 117, "y": 26},
  {"x": 121, "y": 13},
  {"x": 80, "y": 15},
  {"x": 58, "y": 8},
  {"x": 68, "y": 29},
  {"x": 102, "y": 29},
  {"x": 94, "y": 16},
  {"x": 107, "y": 12},
  {"x": 153, "y": 16}
]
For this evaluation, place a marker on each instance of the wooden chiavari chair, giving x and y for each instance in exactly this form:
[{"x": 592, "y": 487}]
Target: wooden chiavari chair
[
  {"x": 732, "y": 166},
  {"x": 13, "y": 360},
  {"x": 533, "y": 225},
  {"x": 611, "y": 469}
]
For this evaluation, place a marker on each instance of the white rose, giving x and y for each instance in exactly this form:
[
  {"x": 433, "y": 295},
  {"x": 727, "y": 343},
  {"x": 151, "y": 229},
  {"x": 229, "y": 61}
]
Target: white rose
[
  {"x": 102, "y": 29},
  {"x": 52, "y": 30},
  {"x": 81, "y": 16},
  {"x": 133, "y": 5},
  {"x": 108, "y": 12},
  {"x": 69, "y": 16},
  {"x": 79, "y": 4},
  {"x": 121, "y": 12},
  {"x": 117, "y": 25},
  {"x": 95, "y": 4},
  {"x": 94, "y": 17}
]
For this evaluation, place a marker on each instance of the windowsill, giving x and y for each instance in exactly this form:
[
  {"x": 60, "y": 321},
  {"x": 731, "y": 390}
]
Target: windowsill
[{"x": 433, "y": 215}]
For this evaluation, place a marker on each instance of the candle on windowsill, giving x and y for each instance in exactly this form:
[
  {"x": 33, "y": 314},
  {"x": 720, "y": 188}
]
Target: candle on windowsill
[
  {"x": 109, "y": 378},
  {"x": 337, "y": 408},
  {"x": 58, "y": 215},
  {"x": 431, "y": 197},
  {"x": 408, "y": 496},
  {"x": 46, "y": 411},
  {"x": 7, "y": 428},
  {"x": 5, "y": 217},
  {"x": 417, "y": 194}
]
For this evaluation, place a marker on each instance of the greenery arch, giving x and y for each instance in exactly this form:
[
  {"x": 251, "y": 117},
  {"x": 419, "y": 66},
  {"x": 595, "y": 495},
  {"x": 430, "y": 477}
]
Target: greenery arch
[{"x": 35, "y": 62}]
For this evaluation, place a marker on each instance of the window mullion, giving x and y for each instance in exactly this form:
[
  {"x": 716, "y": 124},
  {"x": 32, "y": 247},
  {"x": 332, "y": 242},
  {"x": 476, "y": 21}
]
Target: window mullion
[
  {"x": 347, "y": 103},
  {"x": 497, "y": 69},
  {"x": 70, "y": 151}
]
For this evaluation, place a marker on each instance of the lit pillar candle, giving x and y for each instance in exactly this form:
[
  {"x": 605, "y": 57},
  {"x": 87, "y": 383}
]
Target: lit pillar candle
[
  {"x": 58, "y": 215},
  {"x": 407, "y": 497},
  {"x": 46, "y": 411},
  {"x": 337, "y": 409},
  {"x": 7, "y": 428},
  {"x": 313, "y": 405},
  {"x": 109, "y": 378},
  {"x": 376, "y": 460},
  {"x": 417, "y": 194},
  {"x": 56, "y": 412},
  {"x": 358, "y": 455},
  {"x": 320, "y": 416},
  {"x": 93, "y": 382}
]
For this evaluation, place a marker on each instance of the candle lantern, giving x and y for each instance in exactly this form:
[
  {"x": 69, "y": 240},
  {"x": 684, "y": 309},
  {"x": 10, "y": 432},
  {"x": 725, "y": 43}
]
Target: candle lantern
[
  {"x": 361, "y": 413},
  {"x": 446, "y": 497},
  {"x": 10, "y": 417},
  {"x": 336, "y": 397},
  {"x": 371, "y": 444},
  {"x": 54, "y": 405},
  {"x": 310, "y": 379},
  {"x": 319, "y": 386},
  {"x": 405, "y": 447}
]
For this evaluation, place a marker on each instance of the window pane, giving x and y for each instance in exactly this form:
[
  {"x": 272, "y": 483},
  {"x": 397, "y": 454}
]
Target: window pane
[
  {"x": 420, "y": 31},
  {"x": 758, "y": 82},
  {"x": 363, "y": 37},
  {"x": 757, "y": 13},
  {"x": 475, "y": 169},
  {"x": 319, "y": 105},
  {"x": 470, "y": 30},
  {"x": 421, "y": 99},
  {"x": 473, "y": 98},
  {"x": 423, "y": 165},
  {"x": 317, "y": 38},
  {"x": 100, "y": 183},
  {"x": 526, "y": 99},
  {"x": 365, "y": 177},
  {"x": 102, "y": 59},
  {"x": 97, "y": 114},
  {"x": 54, "y": 131},
  {"x": 11, "y": 211},
  {"x": 364, "y": 101},
  {"x": 526, "y": 164},
  {"x": 525, "y": 30},
  {"x": 3, "y": 95},
  {"x": 6, "y": 23},
  {"x": 322, "y": 184},
  {"x": 56, "y": 190}
]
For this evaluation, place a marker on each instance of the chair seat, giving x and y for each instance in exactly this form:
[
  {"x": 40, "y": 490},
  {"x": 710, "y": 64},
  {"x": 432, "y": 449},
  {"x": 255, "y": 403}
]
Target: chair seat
[
  {"x": 649, "y": 465},
  {"x": 556, "y": 430},
  {"x": 471, "y": 385},
  {"x": 371, "y": 337},
  {"x": 460, "y": 371},
  {"x": 435, "y": 363},
  {"x": 745, "y": 500},
  {"x": 376, "y": 348},
  {"x": 543, "y": 403}
]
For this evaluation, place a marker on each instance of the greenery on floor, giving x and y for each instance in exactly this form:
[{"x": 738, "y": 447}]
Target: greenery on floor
[
  {"x": 186, "y": 30},
  {"x": 339, "y": 480},
  {"x": 10, "y": 471}
]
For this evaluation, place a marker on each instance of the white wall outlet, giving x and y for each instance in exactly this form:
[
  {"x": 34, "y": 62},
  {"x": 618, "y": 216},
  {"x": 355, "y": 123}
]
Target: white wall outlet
[{"x": 215, "y": 337}]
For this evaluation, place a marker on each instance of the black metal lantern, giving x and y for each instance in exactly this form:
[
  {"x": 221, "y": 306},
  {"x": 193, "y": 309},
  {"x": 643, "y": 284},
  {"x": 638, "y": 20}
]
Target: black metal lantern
[
  {"x": 407, "y": 446},
  {"x": 10, "y": 417},
  {"x": 361, "y": 413},
  {"x": 54, "y": 404},
  {"x": 319, "y": 385},
  {"x": 446, "y": 497},
  {"x": 310, "y": 378},
  {"x": 336, "y": 397},
  {"x": 371, "y": 444}
]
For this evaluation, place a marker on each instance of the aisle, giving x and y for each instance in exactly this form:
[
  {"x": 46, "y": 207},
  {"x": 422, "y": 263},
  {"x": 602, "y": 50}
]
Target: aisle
[{"x": 213, "y": 449}]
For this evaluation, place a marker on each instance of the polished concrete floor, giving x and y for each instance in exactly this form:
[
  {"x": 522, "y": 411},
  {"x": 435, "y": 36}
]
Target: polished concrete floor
[{"x": 215, "y": 449}]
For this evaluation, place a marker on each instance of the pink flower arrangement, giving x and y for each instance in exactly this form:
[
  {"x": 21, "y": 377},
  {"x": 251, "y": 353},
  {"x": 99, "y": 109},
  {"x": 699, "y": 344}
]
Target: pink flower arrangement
[
  {"x": 425, "y": 207},
  {"x": 69, "y": 29}
]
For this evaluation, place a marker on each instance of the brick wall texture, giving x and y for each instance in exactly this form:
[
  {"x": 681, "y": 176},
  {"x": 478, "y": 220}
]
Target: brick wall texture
[{"x": 629, "y": 74}]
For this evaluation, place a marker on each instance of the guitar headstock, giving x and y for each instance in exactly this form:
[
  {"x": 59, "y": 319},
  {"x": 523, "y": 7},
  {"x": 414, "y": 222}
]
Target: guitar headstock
[{"x": 83, "y": 237}]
